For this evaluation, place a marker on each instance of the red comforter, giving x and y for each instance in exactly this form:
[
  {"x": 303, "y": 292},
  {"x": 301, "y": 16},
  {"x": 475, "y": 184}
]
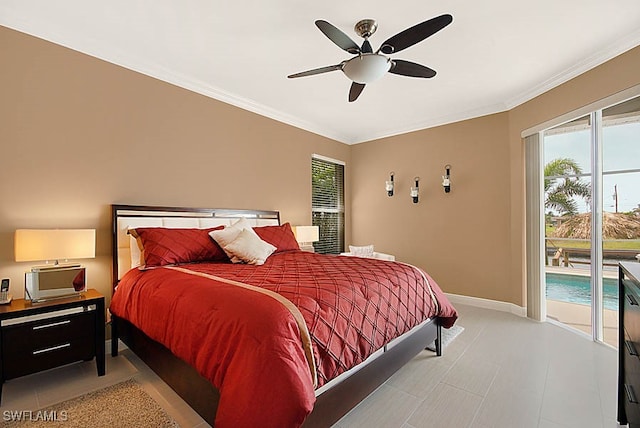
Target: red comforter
[{"x": 249, "y": 344}]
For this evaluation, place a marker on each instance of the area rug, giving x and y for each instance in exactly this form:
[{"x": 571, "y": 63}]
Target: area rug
[
  {"x": 448, "y": 335},
  {"x": 125, "y": 404}
]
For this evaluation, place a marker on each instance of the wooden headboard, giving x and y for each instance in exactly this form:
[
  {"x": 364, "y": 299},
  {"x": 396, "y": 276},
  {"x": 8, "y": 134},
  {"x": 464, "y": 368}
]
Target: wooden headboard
[{"x": 124, "y": 217}]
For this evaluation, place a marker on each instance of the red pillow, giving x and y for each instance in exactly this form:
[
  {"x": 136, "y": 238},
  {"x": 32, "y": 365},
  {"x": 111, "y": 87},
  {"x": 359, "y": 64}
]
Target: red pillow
[
  {"x": 163, "y": 246},
  {"x": 281, "y": 237}
]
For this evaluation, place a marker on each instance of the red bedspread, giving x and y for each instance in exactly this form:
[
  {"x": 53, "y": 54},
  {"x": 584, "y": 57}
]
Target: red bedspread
[{"x": 249, "y": 344}]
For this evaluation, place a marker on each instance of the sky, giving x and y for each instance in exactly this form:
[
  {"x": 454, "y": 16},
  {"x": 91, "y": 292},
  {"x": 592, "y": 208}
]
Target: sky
[{"x": 621, "y": 151}]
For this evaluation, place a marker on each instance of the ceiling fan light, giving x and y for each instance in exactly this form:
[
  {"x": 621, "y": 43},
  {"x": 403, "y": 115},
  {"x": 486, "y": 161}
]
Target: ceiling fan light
[{"x": 366, "y": 68}]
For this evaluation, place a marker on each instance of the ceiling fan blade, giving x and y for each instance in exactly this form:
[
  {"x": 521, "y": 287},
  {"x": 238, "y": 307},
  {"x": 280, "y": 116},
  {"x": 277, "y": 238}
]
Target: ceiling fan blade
[
  {"x": 355, "y": 91},
  {"x": 316, "y": 71},
  {"x": 415, "y": 34},
  {"x": 411, "y": 69},
  {"x": 338, "y": 37}
]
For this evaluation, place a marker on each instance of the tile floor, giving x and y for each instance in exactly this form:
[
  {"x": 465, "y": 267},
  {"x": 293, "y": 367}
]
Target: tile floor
[{"x": 502, "y": 371}]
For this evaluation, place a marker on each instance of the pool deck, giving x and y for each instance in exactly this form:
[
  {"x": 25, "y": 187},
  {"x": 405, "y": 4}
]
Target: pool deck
[
  {"x": 607, "y": 272},
  {"x": 579, "y": 316}
]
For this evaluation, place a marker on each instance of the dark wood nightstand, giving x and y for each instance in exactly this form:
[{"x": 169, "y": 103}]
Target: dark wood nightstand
[{"x": 40, "y": 336}]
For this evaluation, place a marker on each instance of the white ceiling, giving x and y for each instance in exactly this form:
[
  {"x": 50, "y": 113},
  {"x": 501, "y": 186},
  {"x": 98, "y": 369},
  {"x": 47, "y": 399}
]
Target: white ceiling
[{"x": 495, "y": 55}]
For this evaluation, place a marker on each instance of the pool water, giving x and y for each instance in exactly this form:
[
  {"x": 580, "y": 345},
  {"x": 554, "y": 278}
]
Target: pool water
[{"x": 577, "y": 289}]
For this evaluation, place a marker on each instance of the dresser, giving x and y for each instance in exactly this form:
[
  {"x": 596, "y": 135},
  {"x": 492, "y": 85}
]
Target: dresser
[
  {"x": 629, "y": 344},
  {"x": 40, "y": 336}
]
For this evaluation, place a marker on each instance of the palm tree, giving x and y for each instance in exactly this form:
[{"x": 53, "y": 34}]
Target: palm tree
[{"x": 561, "y": 190}]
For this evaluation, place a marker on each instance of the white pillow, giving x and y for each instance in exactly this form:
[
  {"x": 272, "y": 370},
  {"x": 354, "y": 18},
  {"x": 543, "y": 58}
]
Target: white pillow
[
  {"x": 226, "y": 236},
  {"x": 362, "y": 251},
  {"x": 249, "y": 248},
  {"x": 134, "y": 250}
]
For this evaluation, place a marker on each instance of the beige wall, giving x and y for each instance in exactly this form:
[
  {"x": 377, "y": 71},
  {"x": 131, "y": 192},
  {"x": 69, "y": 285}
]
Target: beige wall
[
  {"x": 471, "y": 240},
  {"x": 459, "y": 237},
  {"x": 78, "y": 134}
]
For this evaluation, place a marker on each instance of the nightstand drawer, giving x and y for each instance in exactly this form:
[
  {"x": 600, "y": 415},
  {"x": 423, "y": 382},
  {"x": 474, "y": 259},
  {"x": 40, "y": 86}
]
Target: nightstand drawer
[
  {"x": 47, "y": 332},
  {"x": 44, "y": 335},
  {"x": 629, "y": 344},
  {"x": 631, "y": 304},
  {"x": 20, "y": 361}
]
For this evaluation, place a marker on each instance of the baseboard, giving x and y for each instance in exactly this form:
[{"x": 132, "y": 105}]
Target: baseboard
[{"x": 488, "y": 304}]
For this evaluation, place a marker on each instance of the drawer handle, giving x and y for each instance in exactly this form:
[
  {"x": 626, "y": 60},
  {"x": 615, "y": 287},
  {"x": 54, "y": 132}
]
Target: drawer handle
[
  {"x": 632, "y": 300},
  {"x": 53, "y": 324},
  {"x": 631, "y": 396},
  {"x": 55, "y": 348},
  {"x": 631, "y": 348}
]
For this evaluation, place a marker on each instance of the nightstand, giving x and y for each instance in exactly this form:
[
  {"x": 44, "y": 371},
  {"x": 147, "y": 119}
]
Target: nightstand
[{"x": 41, "y": 336}]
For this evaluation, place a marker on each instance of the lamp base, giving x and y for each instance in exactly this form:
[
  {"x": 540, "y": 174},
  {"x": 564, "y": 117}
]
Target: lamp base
[
  {"x": 78, "y": 295},
  {"x": 307, "y": 247},
  {"x": 54, "y": 282}
]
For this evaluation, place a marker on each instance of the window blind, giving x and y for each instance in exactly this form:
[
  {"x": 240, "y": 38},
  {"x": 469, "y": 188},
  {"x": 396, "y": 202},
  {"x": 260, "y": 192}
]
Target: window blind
[{"x": 327, "y": 205}]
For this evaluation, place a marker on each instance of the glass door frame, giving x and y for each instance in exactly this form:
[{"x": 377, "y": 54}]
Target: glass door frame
[
  {"x": 534, "y": 215},
  {"x": 597, "y": 318}
]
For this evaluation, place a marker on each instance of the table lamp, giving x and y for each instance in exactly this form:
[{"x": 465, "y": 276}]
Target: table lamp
[
  {"x": 306, "y": 236},
  {"x": 51, "y": 246}
]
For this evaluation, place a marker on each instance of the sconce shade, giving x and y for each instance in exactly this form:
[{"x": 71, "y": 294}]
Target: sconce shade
[
  {"x": 307, "y": 233},
  {"x": 54, "y": 244},
  {"x": 415, "y": 190},
  {"x": 388, "y": 185},
  {"x": 446, "y": 179}
]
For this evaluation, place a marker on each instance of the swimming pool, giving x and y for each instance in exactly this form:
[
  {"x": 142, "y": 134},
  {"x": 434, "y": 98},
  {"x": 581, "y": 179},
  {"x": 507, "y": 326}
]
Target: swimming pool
[{"x": 577, "y": 289}]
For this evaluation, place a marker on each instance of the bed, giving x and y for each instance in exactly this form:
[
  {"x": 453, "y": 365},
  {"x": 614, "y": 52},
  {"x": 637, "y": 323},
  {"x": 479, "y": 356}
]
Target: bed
[{"x": 297, "y": 338}]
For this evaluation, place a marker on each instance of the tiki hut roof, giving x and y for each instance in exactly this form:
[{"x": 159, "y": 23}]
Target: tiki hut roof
[{"x": 614, "y": 225}]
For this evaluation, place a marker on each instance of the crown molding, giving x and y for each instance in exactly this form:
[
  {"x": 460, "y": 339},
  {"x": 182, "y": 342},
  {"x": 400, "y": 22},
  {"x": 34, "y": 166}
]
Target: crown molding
[
  {"x": 119, "y": 58},
  {"x": 114, "y": 56},
  {"x": 433, "y": 122},
  {"x": 613, "y": 50}
]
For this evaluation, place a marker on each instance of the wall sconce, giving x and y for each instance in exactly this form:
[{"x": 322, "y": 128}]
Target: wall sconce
[
  {"x": 389, "y": 184},
  {"x": 415, "y": 190},
  {"x": 446, "y": 181}
]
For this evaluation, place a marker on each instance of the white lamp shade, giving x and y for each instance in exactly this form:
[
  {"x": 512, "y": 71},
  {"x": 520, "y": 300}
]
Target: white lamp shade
[
  {"x": 54, "y": 244},
  {"x": 307, "y": 233},
  {"x": 366, "y": 68}
]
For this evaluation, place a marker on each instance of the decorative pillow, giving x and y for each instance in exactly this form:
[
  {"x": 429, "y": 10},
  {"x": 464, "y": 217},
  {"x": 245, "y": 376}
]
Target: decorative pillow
[
  {"x": 225, "y": 236},
  {"x": 281, "y": 237},
  {"x": 163, "y": 246},
  {"x": 249, "y": 248},
  {"x": 363, "y": 251},
  {"x": 135, "y": 251}
]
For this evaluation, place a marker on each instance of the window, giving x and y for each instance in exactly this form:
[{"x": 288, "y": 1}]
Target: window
[{"x": 327, "y": 204}]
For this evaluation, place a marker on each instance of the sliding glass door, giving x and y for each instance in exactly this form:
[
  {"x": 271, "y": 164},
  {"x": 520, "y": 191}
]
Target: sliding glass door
[
  {"x": 591, "y": 183},
  {"x": 620, "y": 201},
  {"x": 568, "y": 217}
]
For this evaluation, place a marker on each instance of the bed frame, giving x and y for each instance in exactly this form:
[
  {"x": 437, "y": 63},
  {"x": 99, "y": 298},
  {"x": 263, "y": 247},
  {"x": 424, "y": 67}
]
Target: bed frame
[{"x": 199, "y": 393}]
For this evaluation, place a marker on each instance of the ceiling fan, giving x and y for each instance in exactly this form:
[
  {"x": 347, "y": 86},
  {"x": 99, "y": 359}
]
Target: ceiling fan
[{"x": 369, "y": 66}]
